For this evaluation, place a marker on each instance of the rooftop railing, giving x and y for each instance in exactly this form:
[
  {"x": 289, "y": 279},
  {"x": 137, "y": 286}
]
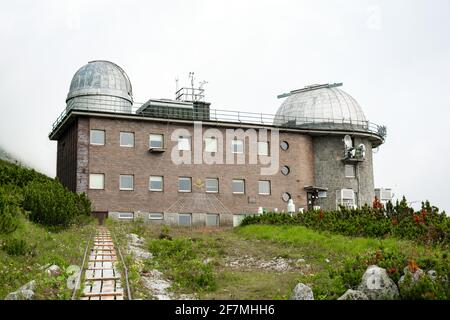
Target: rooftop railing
[{"x": 218, "y": 115}]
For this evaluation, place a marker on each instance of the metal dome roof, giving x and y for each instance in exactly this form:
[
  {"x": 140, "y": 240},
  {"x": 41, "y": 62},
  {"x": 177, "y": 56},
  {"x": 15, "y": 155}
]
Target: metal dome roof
[
  {"x": 101, "y": 78},
  {"x": 320, "y": 104}
]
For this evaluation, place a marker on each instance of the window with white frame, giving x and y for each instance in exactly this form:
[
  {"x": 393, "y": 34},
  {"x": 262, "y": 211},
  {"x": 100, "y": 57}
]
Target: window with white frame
[
  {"x": 263, "y": 148},
  {"x": 349, "y": 171},
  {"x": 264, "y": 187},
  {"x": 97, "y": 181},
  {"x": 238, "y": 186},
  {"x": 127, "y": 139},
  {"x": 212, "y": 185},
  {"x": 211, "y": 144},
  {"x": 237, "y": 146},
  {"x": 156, "y": 216},
  {"x": 156, "y": 141},
  {"x": 345, "y": 197},
  {"x": 126, "y": 215},
  {"x": 126, "y": 182},
  {"x": 156, "y": 183},
  {"x": 97, "y": 137},
  {"x": 184, "y": 219},
  {"x": 184, "y": 184},
  {"x": 212, "y": 220},
  {"x": 184, "y": 143}
]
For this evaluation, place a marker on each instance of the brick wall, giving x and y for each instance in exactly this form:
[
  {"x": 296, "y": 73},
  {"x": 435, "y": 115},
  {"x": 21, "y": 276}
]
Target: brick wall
[{"x": 113, "y": 160}]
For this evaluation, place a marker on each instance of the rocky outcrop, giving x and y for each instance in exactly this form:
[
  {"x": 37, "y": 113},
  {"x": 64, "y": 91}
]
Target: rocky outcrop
[
  {"x": 353, "y": 295},
  {"x": 26, "y": 292},
  {"x": 302, "y": 292},
  {"x": 377, "y": 285},
  {"x": 53, "y": 270}
]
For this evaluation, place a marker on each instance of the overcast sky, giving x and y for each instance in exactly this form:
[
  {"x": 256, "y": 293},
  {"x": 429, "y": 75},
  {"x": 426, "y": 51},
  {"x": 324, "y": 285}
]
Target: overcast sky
[{"x": 392, "y": 56}]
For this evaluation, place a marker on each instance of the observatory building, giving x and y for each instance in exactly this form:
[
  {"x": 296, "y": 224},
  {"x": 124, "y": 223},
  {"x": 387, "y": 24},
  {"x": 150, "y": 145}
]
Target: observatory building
[{"x": 180, "y": 162}]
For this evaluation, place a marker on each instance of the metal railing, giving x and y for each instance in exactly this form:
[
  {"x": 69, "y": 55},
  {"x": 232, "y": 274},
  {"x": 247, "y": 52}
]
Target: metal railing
[{"x": 218, "y": 115}]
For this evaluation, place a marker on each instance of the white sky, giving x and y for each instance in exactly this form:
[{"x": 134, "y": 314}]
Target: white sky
[{"x": 392, "y": 56}]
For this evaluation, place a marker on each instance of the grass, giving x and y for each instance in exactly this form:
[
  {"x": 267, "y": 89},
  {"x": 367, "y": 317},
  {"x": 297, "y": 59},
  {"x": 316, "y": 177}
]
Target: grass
[
  {"x": 261, "y": 243},
  {"x": 44, "y": 247}
]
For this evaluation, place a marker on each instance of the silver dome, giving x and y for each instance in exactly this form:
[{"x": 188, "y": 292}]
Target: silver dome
[
  {"x": 100, "y": 85},
  {"x": 319, "y": 106}
]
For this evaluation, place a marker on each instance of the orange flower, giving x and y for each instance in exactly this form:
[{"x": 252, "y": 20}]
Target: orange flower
[{"x": 413, "y": 266}]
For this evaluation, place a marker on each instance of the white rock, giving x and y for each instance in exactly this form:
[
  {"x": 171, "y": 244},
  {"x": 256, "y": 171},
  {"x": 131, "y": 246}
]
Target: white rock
[
  {"x": 377, "y": 285},
  {"x": 353, "y": 295},
  {"x": 20, "y": 295},
  {"x": 53, "y": 270},
  {"x": 73, "y": 281},
  {"x": 302, "y": 292},
  {"x": 72, "y": 269},
  {"x": 432, "y": 274}
]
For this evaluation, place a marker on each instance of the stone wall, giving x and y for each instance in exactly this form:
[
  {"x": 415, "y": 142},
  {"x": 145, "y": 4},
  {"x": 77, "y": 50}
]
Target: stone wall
[{"x": 329, "y": 170}]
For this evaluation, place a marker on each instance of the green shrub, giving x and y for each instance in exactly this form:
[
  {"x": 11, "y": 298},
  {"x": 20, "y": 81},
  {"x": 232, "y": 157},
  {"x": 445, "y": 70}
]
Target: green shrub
[
  {"x": 8, "y": 214},
  {"x": 428, "y": 226},
  {"x": 395, "y": 263},
  {"x": 16, "y": 247},
  {"x": 49, "y": 203}
]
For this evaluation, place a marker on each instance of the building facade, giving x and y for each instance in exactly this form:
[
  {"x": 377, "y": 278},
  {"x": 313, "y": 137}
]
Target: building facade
[{"x": 182, "y": 163}]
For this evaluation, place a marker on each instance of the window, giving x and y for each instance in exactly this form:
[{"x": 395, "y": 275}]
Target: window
[
  {"x": 156, "y": 141},
  {"x": 212, "y": 185},
  {"x": 156, "y": 216},
  {"x": 98, "y": 137},
  {"x": 264, "y": 187},
  {"x": 184, "y": 219},
  {"x": 184, "y": 143},
  {"x": 184, "y": 184},
  {"x": 212, "y": 220},
  {"x": 349, "y": 171},
  {"x": 286, "y": 196},
  {"x": 97, "y": 181},
  {"x": 346, "y": 198},
  {"x": 238, "y": 186},
  {"x": 127, "y": 139},
  {"x": 285, "y": 170},
  {"x": 263, "y": 148},
  {"x": 156, "y": 183},
  {"x": 284, "y": 145},
  {"x": 126, "y": 215},
  {"x": 237, "y": 146},
  {"x": 126, "y": 182},
  {"x": 211, "y": 144}
]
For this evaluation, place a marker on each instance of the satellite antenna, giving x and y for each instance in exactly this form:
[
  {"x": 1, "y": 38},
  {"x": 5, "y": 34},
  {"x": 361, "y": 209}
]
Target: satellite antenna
[{"x": 348, "y": 142}]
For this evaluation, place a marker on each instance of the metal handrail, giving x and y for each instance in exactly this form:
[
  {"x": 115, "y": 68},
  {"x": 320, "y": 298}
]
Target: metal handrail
[{"x": 220, "y": 115}]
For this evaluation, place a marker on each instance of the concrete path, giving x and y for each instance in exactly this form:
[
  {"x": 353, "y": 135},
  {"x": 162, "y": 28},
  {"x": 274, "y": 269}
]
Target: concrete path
[{"x": 102, "y": 280}]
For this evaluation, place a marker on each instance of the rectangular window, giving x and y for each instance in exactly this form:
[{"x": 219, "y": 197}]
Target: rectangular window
[
  {"x": 156, "y": 183},
  {"x": 263, "y": 148},
  {"x": 238, "y": 186},
  {"x": 184, "y": 184},
  {"x": 97, "y": 181},
  {"x": 156, "y": 141},
  {"x": 126, "y": 215},
  {"x": 184, "y": 219},
  {"x": 126, "y": 182},
  {"x": 98, "y": 137},
  {"x": 184, "y": 143},
  {"x": 237, "y": 146},
  {"x": 212, "y": 185},
  {"x": 349, "y": 171},
  {"x": 156, "y": 216},
  {"x": 264, "y": 187},
  {"x": 127, "y": 139},
  {"x": 211, "y": 144},
  {"x": 212, "y": 220}
]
